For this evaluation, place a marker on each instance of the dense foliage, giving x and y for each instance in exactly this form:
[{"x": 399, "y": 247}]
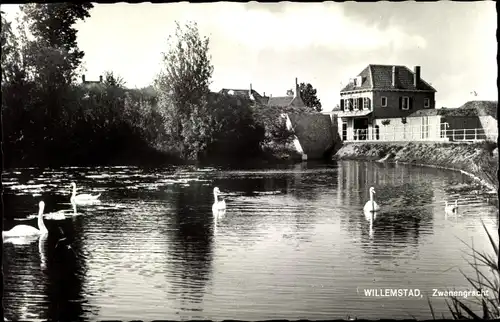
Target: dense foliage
[
  {"x": 309, "y": 96},
  {"x": 50, "y": 118}
]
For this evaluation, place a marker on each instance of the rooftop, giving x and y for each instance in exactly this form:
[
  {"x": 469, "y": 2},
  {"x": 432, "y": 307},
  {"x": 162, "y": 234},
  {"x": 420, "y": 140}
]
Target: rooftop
[{"x": 380, "y": 77}]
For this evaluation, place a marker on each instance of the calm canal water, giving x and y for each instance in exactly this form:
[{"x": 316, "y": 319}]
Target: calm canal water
[{"x": 294, "y": 242}]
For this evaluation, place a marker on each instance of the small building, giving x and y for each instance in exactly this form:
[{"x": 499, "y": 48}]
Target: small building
[
  {"x": 475, "y": 120},
  {"x": 85, "y": 81},
  {"x": 250, "y": 94},
  {"x": 379, "y": 92},
  {"x": 292, "y": 99}
]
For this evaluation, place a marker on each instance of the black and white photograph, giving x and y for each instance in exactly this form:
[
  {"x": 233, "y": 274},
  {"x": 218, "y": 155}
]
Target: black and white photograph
[{"x": 250, "y": 161}]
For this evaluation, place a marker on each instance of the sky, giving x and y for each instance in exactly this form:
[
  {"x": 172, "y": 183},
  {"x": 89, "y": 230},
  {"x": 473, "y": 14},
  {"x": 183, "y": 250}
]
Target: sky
[{"x": 325, "y": 44}]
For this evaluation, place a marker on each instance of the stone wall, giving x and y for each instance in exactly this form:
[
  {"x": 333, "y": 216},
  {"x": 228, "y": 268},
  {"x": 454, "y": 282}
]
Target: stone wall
[{"x": 315, "y": 133}]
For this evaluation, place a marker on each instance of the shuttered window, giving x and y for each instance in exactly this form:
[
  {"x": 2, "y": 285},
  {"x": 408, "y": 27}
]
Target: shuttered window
[{"x": 366, "y": 103}]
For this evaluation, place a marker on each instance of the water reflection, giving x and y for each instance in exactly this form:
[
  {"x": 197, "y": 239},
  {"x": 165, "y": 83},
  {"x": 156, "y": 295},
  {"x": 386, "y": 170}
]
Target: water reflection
[
  {"x": 293, "y": 243},
  {"x": 370, "y": 217},
  {"x": 190, "y": 251},
  {"x": 24, "y": 296}
]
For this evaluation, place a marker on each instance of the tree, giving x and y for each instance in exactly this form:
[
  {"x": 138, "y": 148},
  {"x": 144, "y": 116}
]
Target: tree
[
  {"x": 10, "y": 53},
  {"x": 187, "y": 70},
  {"x": 54, "y": 50},
  {"x": 111, "y": 79},
  {"x": 308, "y": 95},
  {"x": 183, "y": 87}
]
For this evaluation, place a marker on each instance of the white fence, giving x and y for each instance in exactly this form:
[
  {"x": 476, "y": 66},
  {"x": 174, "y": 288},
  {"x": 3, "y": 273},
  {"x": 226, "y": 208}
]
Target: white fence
[{"x": 418, "y": 133}]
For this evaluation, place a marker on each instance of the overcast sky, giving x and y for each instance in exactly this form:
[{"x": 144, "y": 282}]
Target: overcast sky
[{"x": 324, "y": 44}]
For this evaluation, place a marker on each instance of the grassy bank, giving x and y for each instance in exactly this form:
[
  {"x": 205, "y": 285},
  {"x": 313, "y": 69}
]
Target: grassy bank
[{"x": 477, "y": 159}]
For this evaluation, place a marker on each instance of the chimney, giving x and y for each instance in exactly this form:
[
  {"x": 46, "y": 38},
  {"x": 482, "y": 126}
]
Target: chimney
[
  {"x": 83, "y": 78},
  {"x": 264, "y": 94},
  {"x": 100, "y": 79},
  {"x": 416, "y": 77},
  {"x": 394, "y": 76},
  {"x": 296, "y": 88}
]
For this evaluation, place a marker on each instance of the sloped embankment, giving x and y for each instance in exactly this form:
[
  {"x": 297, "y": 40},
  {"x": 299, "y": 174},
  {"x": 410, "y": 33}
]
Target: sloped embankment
[{"x": 477, "y": 159}]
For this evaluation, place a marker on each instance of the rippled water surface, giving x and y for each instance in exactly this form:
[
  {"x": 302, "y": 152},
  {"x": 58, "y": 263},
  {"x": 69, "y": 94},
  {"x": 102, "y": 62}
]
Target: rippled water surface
[{"x": 294, "y": 242}]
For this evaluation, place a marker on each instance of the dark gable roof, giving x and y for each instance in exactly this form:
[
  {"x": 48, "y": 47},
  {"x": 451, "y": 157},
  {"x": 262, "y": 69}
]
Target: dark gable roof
[
  {"x": 380, "y": 77},
  {"x": 280, "y": 101},
  {"x": 286, "y": 101}
]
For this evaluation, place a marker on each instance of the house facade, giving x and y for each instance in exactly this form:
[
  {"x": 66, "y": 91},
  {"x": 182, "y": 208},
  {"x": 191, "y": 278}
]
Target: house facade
[{"x": 381, "y": 92}]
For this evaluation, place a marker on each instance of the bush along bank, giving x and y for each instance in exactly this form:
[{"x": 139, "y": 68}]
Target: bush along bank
[{"x": 479, "y": 160}]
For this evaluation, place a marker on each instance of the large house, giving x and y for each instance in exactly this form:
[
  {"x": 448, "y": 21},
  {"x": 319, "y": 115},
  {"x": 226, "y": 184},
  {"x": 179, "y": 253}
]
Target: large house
[
  {"x": 291, "y": 99},
  {"x": 381, "y": 92}
]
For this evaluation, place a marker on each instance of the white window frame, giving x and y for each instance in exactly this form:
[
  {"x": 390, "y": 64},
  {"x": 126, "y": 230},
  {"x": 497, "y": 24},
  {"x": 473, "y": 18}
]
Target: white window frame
[
  {"x": 365, "y": 103},
  {"x": 355, "y": 104},
  {"x": 427, "y": 102},
  {"x": 406, "y": 106},
  {"x": 382, "y": 101}
]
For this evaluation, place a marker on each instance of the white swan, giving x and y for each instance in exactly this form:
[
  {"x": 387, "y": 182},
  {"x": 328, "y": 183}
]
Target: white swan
[
  {"x": 27, "y": 230},
  {"x": 82, "y": 198},
  {"x": 218, "y": 205},
  {"x": 371, "y": 205},
  {"x": 451, "y": 209}
]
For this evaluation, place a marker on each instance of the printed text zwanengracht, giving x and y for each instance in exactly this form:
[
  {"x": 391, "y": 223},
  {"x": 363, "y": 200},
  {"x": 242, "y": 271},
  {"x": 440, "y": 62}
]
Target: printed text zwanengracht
[{"x": 403, "y": 292}]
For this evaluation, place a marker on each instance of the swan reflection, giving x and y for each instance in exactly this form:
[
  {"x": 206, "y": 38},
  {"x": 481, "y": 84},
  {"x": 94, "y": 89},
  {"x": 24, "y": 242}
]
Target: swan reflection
[
  {"x": 42, "y": 241},
  {"x": 370, "y": 216}
]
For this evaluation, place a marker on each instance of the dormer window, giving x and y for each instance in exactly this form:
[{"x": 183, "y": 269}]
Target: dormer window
[
  {"x": 427, "y": 103},
  {"x": 359, "y": 81}
]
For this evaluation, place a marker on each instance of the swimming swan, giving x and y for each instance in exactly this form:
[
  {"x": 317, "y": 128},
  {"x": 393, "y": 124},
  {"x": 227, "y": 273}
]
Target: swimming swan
[
  {"x": 82, "y": 198},
  {"x": 453, "y": 208},
  {"x": 27, "y": 230},
  {"x": 218, "y": 205},
  {"x": 371, "y": 205}
]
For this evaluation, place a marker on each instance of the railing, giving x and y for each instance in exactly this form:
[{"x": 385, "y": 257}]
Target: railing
[
  {"x": 418, "y": 133},
  {"x": 467, "y": 135}
]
